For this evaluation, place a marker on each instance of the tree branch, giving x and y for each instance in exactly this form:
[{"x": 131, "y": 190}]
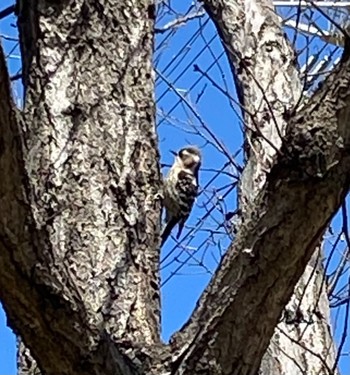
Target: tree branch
[
  {"x": 296, "y": 177},
  {"x": 7, "y": 11},
  {"x": 258, "y": 274}
]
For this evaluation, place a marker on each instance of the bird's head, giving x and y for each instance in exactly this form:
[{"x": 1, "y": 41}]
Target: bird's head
[{"x": 189, "y": 157}]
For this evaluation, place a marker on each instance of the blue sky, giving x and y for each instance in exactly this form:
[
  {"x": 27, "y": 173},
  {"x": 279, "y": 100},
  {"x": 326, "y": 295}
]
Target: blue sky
[{"x": 191, "y": 110}]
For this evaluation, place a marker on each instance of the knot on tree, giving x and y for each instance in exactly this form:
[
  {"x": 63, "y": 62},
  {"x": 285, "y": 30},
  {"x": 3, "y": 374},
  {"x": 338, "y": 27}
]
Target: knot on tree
[{"x": 311, "y": 148}]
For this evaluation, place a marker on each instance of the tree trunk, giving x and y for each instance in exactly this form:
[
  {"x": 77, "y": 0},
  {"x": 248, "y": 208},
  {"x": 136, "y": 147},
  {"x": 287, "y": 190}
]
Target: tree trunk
[
  {"x": 91, "y": 198},
  {"x": 266, "y": 74},
  {"x": 80, "y": 194},
  {"x": 302, "y": 342}
]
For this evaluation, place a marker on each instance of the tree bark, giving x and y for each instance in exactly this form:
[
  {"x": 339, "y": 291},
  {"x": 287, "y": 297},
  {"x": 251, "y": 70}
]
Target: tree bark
[
  {"x": 91, "y": 253},
  {"x": 302, "y": 342},
  {"x": 80, "y": 190},
  {"x": 26, "y": 364}
]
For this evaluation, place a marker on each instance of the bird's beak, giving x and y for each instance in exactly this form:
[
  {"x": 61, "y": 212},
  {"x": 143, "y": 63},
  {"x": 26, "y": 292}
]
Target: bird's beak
[{"x": 173, "y": 152}]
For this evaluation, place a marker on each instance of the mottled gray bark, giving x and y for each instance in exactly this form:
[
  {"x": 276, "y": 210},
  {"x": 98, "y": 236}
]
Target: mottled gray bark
[
  {"x": 90, "y": 209},
  {"x": 26, "y": 364},
  {"x": 80, "y": 225},
  {"x": 303, "y": 343},
  {"x": 91, "y": 158}
]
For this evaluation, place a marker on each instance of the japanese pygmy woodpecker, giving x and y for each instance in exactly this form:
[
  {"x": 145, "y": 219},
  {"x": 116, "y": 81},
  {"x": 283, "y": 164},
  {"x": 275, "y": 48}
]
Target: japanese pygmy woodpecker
[{"x": 180, "y": 189}]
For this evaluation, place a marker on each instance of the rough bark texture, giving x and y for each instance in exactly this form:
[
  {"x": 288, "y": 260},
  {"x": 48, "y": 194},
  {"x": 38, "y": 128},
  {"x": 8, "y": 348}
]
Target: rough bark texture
[
  {"x": 302, "y": 343},
  {"x": 79, "y": 230},
  {"x": 92, "y": 160},
  {"x": 90, "y": 252},
  {"x": 26, "y": 364},
  {"x": 267, "y": 80}
]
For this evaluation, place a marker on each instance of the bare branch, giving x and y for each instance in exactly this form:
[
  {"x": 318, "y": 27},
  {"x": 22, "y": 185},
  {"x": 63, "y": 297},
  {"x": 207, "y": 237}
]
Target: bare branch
[
  {"x": 180, "y": 21},
  {"x": 7, "y": 11}
]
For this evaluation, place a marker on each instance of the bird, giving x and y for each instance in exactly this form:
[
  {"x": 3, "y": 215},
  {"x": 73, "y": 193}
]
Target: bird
[{"x": 180, "y": 189}]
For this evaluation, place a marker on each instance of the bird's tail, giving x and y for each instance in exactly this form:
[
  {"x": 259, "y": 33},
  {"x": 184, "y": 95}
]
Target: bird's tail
[{"x": 167, "y": 229}]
